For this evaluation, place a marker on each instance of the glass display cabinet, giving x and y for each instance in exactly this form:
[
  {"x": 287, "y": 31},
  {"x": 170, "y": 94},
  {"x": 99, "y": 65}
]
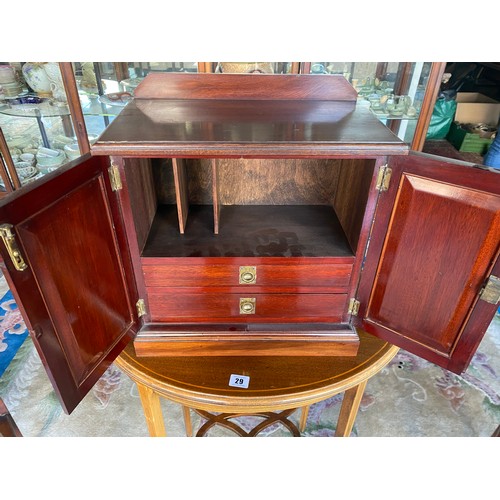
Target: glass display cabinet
[
  {"x": 37, "y": 129},
  {"x": 64, "y": 107},
  {"x": 42, "y": 127},
  {"x": 104, "y": 88},
  {"x": 400, "y": 94}
]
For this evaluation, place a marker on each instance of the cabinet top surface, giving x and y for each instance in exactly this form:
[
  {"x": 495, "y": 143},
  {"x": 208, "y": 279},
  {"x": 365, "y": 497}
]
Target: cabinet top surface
[
  {"x": 246, "y": 128},
  {"x": 246, "y": 116}
]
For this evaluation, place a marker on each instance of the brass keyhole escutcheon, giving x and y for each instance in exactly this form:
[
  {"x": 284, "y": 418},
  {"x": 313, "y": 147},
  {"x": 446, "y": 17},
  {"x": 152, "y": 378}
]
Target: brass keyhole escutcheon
[
  {"x": 247, "y": 305},
  {"x": 248, "y": 275}
]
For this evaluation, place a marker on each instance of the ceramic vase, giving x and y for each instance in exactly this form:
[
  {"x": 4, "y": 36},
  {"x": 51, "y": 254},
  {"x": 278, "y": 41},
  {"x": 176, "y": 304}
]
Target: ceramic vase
[
  {"x": 246, "y": 67},
  {"x": 36, "y": 77},
  {"x": 56, "y": 82},
  {"x": 7, "y": 74},
  {"x": 88, "y": 81}
]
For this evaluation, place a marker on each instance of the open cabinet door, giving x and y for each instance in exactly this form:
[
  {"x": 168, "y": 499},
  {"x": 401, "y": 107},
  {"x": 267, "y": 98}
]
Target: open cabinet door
[
  {"x": 430, "y": 283},
  {"x": 66, "y": 259}
]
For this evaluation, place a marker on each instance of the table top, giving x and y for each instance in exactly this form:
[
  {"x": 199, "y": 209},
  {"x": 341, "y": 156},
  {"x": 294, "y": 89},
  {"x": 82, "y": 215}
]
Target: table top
[{"x": 274, "y": 382}]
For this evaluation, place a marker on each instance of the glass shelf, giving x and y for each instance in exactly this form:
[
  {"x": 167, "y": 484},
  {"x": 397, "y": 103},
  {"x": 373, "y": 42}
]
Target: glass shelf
[
  {"x": 385, "y": 116},
  {"x": 46, "y": 109}
]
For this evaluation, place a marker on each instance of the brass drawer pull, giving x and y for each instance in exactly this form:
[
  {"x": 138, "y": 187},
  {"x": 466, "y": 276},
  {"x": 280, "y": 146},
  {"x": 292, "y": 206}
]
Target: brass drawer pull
[
  {"x": 247, "y": 305},
  {"x": 248, "y": 275}
]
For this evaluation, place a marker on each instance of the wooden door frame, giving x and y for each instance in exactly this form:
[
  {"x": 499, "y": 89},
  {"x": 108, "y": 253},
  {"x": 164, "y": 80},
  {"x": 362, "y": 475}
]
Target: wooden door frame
[
  {"x": 430, "y": 97},
  {"x": 74, "y": 105}
]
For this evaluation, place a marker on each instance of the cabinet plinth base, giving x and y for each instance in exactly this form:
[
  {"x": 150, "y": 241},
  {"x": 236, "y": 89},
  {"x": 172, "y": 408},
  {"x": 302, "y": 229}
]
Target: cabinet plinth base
[{"x": 314, "y": 339}]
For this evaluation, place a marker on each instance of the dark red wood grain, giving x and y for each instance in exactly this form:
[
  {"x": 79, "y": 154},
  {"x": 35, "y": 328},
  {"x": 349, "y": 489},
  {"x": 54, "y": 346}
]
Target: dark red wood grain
[
  {"x": 436, "y": 239},
  {"x": 137, "y": 208},
  {"x": 241, "y": 86},
  {"x": 209, "y": 306},
  {"x": 251, "y": 345},
  {"x": 240, "y": 339},
  {"x": 364, "y": 235},
  {"x": 78, "y": 291},
  {"x": 332, "y": 274},
  {"x": 260, "y": 127}
]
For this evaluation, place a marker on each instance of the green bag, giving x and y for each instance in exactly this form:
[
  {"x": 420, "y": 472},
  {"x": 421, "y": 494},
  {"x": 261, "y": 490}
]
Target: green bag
[{"x": 442, "y": 118}]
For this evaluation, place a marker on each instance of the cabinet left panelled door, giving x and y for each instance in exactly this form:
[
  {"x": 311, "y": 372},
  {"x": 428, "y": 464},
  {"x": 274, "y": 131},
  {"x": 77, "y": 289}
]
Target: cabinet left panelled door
[{"x": 66, "y": 258}]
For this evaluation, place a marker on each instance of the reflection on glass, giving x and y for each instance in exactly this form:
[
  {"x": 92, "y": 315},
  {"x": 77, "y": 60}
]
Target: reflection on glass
[
  {"x": 34, "y": 117},
  {"x": 254, "y": 67},
  {"x": 106, "y": 87},
  {"x": 394, "y": 91}
]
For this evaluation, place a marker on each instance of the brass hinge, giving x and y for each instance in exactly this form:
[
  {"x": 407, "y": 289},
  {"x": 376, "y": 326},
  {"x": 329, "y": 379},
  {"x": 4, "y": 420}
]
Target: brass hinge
[
  {"x": 141, "y": 308},
  {"x": 384, "y": 178},
  {"x": 491, "y": 292},
  {"x": 114, "y": 177},
  {"x": 9, "y": 241},
  {"x": 353, "y": 307}
]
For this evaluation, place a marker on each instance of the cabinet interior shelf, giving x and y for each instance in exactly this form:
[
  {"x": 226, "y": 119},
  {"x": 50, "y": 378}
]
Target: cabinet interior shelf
[{"x": 248, "y": 231}]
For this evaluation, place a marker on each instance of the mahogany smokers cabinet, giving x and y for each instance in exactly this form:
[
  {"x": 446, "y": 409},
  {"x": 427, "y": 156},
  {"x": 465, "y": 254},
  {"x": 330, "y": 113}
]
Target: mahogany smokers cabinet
[{"x": 250, "y": 214}]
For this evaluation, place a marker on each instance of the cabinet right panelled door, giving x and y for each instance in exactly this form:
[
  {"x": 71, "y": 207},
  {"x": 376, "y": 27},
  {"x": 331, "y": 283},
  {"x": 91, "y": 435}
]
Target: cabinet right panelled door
[{"x": 430, "y": 278}]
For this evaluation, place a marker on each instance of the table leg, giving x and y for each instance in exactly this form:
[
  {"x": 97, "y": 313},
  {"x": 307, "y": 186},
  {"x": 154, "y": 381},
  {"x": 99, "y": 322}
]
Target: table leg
[
  {"x": 304, "y": 412},
  {"x": 187, "y": 421},
  {"x": 152, "y": 411},
  {"x": 8, "y": 427},
  {"x": 349, "y": 409}
]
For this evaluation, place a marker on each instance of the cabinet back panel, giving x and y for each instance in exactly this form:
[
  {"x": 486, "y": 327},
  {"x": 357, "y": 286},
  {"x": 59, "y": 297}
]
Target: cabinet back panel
[
  {"x": 277, "y": 182},
  {"x": 163, "y": 177},
  {"x": 253, "y": 182}
]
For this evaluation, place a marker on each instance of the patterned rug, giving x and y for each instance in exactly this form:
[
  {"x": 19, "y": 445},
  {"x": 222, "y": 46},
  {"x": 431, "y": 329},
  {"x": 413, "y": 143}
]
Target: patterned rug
[{"x": 13, "y": 331}]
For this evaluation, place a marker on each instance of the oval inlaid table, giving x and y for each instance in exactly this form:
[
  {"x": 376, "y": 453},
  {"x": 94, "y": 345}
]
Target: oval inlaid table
[{"x": 277, "y": 386}]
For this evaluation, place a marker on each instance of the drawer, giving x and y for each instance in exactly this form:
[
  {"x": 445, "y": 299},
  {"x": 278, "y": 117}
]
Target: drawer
[
  {"x": 331, "y": 274},
  {"x": 181, "y": 305}
]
